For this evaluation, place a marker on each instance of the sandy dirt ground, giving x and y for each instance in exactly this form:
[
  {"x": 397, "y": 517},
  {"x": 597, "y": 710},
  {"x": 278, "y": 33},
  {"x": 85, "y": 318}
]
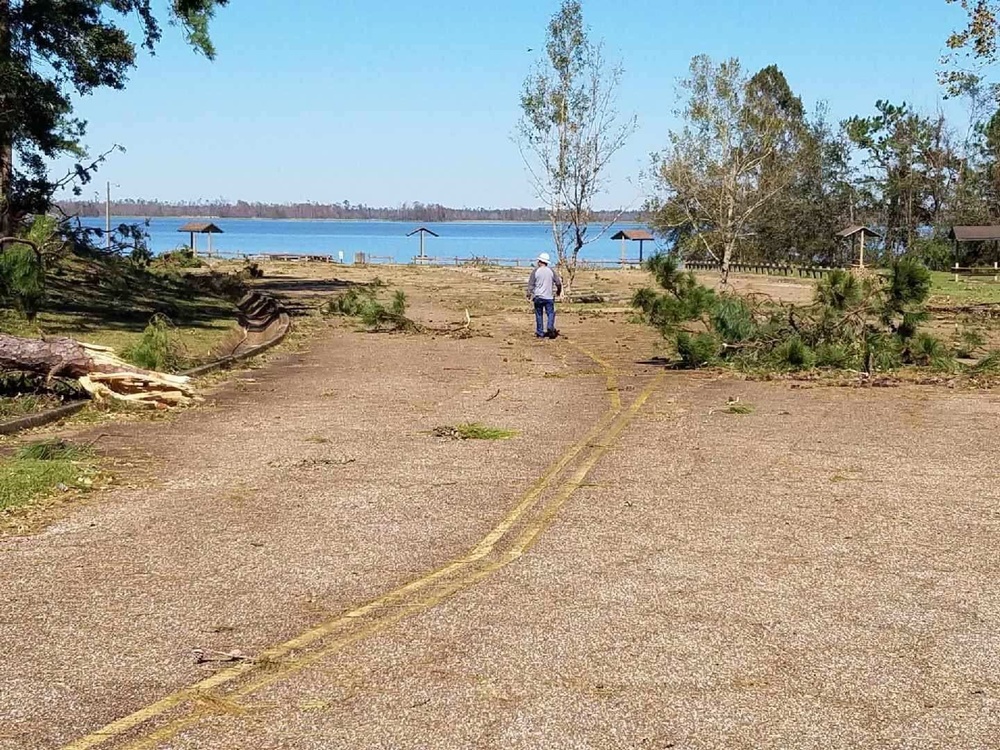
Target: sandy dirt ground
[{"x": 300, "y": 563}]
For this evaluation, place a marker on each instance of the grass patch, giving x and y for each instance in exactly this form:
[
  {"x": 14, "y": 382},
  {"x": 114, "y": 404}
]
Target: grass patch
[
  {"x": 473, "y": 431},
  {"x": 21, "y": 406},
  {"x": 109, "y": 301},
  {"x": 738, "y": 407},
  {"x": 39, "y": 468},
  {"x": 54, "y": 450},
  {"x": 968, "y": 289}
]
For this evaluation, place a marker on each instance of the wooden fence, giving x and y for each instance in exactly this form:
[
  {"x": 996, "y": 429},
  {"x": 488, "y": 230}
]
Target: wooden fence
[{"x": 767, "y": 269}]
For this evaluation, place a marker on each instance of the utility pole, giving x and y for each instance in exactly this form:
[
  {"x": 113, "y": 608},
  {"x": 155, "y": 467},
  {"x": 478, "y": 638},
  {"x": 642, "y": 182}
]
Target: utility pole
[{"x": 107, "y": 217}]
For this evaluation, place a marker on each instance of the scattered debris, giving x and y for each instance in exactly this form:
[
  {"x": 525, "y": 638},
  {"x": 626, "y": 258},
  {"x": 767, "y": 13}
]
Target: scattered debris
[
  {"x": 203, "y": 655},
  {"x": 311, "y": 463},
  {"x": 472, "y": 431},
  {"x": 734, "y": 406}
]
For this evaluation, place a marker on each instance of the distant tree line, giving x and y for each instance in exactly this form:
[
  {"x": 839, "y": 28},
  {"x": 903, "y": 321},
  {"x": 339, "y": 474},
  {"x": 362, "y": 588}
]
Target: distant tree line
[{"x": 417, "y": 211}]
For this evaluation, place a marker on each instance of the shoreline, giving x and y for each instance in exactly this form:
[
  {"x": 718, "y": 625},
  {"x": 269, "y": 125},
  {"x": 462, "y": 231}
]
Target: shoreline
[{"x": 140, "y": 217}]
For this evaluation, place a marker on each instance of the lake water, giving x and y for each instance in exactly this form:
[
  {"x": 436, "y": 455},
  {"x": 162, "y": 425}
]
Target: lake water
[{"x": 384, "y": 239}]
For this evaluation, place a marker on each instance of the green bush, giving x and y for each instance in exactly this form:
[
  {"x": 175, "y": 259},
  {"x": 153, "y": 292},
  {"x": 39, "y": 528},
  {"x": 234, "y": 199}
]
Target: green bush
[
  {"x": 697, "y": 351},
  {"x": 398, "y": 306},
  {"x": 22, "y": 279},
  {"x": 685, "y": 298},
  {"x": 840, "y": 290},
  {"x": 361, "y": 302},
  {"x": 732, "y": 319},
  {"x": 793, "y": 353},
  {"x": 990, "y": 364},
  {"x": 872, "y": 323},
  {"x": 927, "y": 351},
  {"x": 937, "y": 253},
  {"x": 909, "y": 284},
  {"x": 350, "y": 303},
  {"x": 836, "y": 355},
  {"x": 157, "y": 349},
  {"x": 969, "y": 341},
  {"x": 182, "y": 257},
  {"x": 883, "y": 352}
]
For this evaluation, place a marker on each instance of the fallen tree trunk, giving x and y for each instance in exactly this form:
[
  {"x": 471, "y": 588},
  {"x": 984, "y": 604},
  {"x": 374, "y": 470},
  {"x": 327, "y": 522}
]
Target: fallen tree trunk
[
  {"x": 60, "y": 356},
  {"x": 100, "y": 372}
]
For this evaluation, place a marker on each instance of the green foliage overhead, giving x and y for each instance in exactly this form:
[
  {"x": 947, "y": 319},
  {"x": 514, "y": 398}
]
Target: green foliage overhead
[
  {"x": 911, "y": 163},
  {"x": 741, "y": 146},
  {"x": 51, "y": 52},
  {"x": 977, "y": 40}
]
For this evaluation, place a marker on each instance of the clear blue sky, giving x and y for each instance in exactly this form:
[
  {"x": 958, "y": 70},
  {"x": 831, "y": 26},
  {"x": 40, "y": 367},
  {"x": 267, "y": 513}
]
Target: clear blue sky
[{"x": 389, "y": 101}]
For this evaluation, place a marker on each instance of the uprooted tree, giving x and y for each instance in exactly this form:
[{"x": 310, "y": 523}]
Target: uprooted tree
[
  {"x": 98, "y": 370},
  {"x": 869, "y": 324},
  {"x": 569, "y": 131}
]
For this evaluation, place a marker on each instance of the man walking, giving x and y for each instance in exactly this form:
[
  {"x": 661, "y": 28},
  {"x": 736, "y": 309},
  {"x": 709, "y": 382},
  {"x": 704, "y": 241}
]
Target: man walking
[{"x": 544, "y": 285}]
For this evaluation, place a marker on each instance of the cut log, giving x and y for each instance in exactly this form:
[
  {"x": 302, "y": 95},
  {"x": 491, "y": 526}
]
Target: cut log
[{"x": 101, "y": 373}]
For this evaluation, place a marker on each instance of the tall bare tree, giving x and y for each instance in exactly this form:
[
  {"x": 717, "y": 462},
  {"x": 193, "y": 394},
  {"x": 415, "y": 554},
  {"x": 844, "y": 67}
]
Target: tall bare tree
[{"x": 569, "y": 131}]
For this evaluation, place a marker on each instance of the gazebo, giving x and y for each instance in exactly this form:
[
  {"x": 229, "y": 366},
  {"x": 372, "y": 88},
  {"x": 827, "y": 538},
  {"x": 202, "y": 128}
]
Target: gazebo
[
  {"x": 861, "y": 232},
  {"x": 200, "y": 227},
  {"x": 422, "y": 231},
  {"x": 633, "y": 235},
  {"x": 973, "y": 234}
]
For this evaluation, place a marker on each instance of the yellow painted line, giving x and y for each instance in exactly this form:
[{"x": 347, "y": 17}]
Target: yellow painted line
[
  {"x": 526, "y": 539},
  {"x": 486, "y": 546},
  {"x": 612, "y": 376}
]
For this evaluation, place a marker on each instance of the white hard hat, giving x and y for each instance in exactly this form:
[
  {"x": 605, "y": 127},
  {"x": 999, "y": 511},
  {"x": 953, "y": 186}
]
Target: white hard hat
[{"x": 544, "y": 257}]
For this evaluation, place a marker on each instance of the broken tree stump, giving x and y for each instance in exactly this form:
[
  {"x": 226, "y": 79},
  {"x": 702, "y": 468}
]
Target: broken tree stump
[{"x": 100, "y": 372}]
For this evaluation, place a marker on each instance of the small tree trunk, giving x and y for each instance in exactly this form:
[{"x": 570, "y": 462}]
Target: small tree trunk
[{"x": 727, "y": 256}]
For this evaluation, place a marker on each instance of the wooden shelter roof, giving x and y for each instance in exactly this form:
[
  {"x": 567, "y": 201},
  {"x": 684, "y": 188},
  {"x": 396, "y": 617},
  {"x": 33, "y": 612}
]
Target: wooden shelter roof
[
  {"x": 851, "y": 231},
  {"x": 633, "y": 234},
  {"x": 974, "y": 234},
  {"x": 201, "y": 227},
  {"x": 423, "y": 229}
]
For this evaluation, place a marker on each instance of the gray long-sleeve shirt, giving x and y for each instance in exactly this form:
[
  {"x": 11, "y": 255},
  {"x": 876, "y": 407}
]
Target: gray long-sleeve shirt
[{"x": 544, "y": 283}]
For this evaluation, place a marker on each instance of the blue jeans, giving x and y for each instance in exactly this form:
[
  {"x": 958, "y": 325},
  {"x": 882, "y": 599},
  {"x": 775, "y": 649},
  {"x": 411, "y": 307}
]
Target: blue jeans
[{"x": 547, "y": 306}]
